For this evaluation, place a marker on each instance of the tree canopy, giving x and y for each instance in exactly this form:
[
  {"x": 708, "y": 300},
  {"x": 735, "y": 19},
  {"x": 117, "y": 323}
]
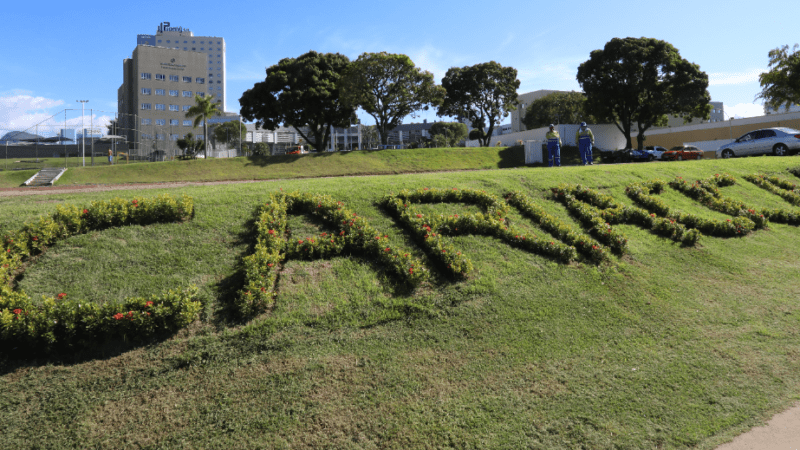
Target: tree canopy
[
  {"x": 202, "y": 109},
  {"x": 232, "y": 132},
  {"x": 484, "y": 94},
  {"x": 781, "y": 85},
  {"x": 448, "y": 134},
  {"x": 301, "y": 92},
  {"x": 558, "y": 107},
  {"x": 641, "y": 80},
  {"x": 389, "y": 87},
  {"x": 189, "y": 145}
]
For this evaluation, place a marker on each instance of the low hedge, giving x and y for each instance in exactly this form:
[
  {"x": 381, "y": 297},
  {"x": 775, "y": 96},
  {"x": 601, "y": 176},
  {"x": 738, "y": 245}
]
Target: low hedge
[{"x": 62, "y": 322}]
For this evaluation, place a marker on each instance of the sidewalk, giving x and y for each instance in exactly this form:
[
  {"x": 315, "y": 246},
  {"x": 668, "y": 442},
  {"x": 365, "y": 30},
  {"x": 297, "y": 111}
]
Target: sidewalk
[{"x": 782, "y": 432}]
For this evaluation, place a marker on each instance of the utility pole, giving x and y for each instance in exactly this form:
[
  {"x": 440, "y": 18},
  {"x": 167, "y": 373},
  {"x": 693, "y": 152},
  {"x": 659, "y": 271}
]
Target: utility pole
[{"x": 83, "y": 132}]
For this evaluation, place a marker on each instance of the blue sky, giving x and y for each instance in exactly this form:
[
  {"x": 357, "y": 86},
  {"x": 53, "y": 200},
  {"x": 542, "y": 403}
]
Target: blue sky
[{"x": 55, "y": 53}]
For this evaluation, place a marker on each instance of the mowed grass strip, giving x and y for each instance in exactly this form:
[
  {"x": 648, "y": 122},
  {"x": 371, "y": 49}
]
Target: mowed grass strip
[{"x": 667, "y": 347}]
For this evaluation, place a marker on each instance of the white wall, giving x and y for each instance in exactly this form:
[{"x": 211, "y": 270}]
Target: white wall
[{"x": 606, "y": 137}]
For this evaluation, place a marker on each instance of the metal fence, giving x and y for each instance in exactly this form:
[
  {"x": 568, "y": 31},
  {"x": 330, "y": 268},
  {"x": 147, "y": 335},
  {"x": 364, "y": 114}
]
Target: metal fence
[{"x": 75, "y": 137}]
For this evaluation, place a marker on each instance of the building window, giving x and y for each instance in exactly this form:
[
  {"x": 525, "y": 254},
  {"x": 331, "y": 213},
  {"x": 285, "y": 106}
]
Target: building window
[
  {"x": 161, "y": 122},
  {"x": 160, "y": 77},
  {"x": 159, "y": 107},
  {"x": 146, "y": 136},
  {"x": 194, "y": 42},
  {"x": 201, "y": 94},
  {"x": 173, "y": 137},
  {"x": 173, "y": 107},
  {"x": 160, "y": 137},
  {"x": 167, "y": 41},
  {"x": 185, "y": 107},
  {"x": 145, "y": 76},
  {"x": 184, "y": 48},
  {"x": 187, "y": 94},
  {"x": 187, "y": 79},
  {"x": 187, "y": 123},
  {"x": 159, "y": 92},
  {"x": 200, "y": 80},
  {"x": 145, "y": 105},
  {"x": 173, "y": 78},
  {"x": 159, "y": 41},
  {"x": 193, "y": 49},
  {"x": 174, "y": 122},
  {"x": 173, "y": 92},
  {"x": 146, "y": 91},
  {"x": 145, "y": 121},
  {"x": 199, "y": 137}
]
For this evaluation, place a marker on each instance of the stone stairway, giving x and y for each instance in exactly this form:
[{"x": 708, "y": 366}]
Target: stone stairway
[{"x": 45, "y": 177}]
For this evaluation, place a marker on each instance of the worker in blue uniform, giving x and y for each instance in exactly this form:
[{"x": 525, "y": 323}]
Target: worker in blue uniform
[
  {"x": 553, "y": 147},
  {"x": 585, "y": 140}
]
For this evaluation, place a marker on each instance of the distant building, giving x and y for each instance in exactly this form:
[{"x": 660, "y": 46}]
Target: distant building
[
  {"x": 158, "y": 88},
  {"x": 213, "y": 47},
  {"x": 717, "y": 115},
  {"x": 794, "y": 107}
]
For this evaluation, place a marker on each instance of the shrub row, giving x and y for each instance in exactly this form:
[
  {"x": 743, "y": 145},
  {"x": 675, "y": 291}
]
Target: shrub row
[
  {"x": 784, "y": 188},
  {"x": 599, "y": 211},
  {"x": 353, "y": 235},
  {"x": 428, "y": 230},
  {"x": 641, "y": 193},
  {"x": 67, "y": 322},
  {"x": 707, "y": 192},
  {"x": 583, "y": 243}
]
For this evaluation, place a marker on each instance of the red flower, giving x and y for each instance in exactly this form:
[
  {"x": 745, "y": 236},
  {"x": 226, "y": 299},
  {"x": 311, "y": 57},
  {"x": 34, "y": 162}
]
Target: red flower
[
  {"x": 148, "y": 304},
  {"x": 263, "y": 289},
  {"x": 419, "y": 215},
  {"x": 86, "y": 211},
  {"x": 61, "y": 296},
  {"x": 300, "y": 241},
  {"x": 341, "y": 233},
  {"x": 388, "y": 249},
  {"x": 270, "y": 264},
  {"x": 135, "y": 202},
  {"x": 130, "y": 314},
  {"x": 17, "y": 311},
  {"x": 271, "y": 231},
  {"x": 35, "y": 238},
  {"x": 119, "y": 316}
]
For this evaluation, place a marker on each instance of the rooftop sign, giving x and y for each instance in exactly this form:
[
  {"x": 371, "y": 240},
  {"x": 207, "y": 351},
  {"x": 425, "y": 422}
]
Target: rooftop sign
[{"x": 165, "y": 26}]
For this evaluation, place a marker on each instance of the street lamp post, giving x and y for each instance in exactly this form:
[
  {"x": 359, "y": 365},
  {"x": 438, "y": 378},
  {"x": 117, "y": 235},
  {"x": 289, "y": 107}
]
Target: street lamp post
[{"x": 83, "y": 132}]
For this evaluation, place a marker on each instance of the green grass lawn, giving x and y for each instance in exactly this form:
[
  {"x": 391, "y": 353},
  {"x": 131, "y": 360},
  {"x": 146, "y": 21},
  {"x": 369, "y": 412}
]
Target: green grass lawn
[{"x": 665, "y": 347}]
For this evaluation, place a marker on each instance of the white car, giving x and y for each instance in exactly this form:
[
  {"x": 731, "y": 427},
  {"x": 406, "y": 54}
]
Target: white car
[
  {"x": 777, "y": 141},
  {"x": 655, "y": 150}
]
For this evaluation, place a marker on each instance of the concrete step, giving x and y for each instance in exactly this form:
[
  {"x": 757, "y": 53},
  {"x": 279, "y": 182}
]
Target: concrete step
[{"x": 45, "y": 177}]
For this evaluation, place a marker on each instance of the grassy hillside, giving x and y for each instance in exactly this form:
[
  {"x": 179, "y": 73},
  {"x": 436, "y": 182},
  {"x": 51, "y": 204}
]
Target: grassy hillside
[
  {"x": 377, "y": 162},
  {"x": 667, "y": 346}
]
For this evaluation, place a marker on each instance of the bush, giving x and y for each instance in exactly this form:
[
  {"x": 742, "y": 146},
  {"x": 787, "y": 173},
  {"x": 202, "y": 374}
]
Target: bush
[{"x": 476, "y": 134}]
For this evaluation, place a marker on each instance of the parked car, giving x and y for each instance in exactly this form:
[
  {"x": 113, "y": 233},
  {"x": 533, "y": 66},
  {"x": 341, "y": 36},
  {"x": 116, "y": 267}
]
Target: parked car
[
  {"x": 777, "y": 141},
  {"x": 655, "y": 150},
  {"x": 681, "y": 152},
  {"x": 642, "y": 155}
]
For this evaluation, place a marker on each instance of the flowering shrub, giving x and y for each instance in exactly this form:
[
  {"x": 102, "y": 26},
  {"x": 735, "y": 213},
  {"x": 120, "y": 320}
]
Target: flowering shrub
[
  {"x": 429, "y": 230},
  {"x": 68, "y": 322},
  {"x": 583, "y": 243},
  {"x": 597, "y": 211},
  {"x": 784, "y": 188},
  {"x": 353, "y": 235},
  {"x": 707, "y": 192}
]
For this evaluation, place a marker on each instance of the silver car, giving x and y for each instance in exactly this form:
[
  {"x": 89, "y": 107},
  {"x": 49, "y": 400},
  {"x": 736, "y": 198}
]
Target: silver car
[{"x": 777, "y": 141}]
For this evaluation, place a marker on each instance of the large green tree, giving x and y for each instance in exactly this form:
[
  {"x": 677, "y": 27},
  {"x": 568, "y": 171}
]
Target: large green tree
[
  {"x": 558, "y": 107},
  {"x": 781, "y": 85},
  {"x": 202, "y": 109},
  {"x": 484, "y": 94},
  {"x": 448, "y": 134},
  {"x": 641, "y": 80},
  {"x": 301, "y": 92},
  {"x": 389, "y": 87},
  {"x": 232, "y": 132}
]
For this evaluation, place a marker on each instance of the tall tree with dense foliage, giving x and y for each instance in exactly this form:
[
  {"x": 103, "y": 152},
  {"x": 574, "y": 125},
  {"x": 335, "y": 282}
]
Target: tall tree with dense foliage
[
  {"x": 641, "y": 80},
  {"x": 232, "y": 132},
  {"x": 389, "y": 87},
  {"x": 448, "y": 133},
  {"x": 202, "y": 109},
  {"x": 781, "y": 85},
  {"x": 301, "y": 92},
  {"x": 484, "y": 93},
  {"x": 558, "y": 107}
]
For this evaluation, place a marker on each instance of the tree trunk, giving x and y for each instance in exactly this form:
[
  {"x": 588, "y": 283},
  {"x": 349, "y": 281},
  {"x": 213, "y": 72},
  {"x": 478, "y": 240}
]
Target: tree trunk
[{"x": 205, "y": 138}]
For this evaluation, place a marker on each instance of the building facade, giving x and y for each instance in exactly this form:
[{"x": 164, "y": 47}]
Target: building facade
[
  {"x": 179, "y": 38},
  {"x": 159, "y": 86}
]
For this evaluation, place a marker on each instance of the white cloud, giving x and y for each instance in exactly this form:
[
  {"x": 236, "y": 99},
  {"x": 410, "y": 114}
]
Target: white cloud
[
  {"x": 744, "y": 110},
  {"x": 734, "y": 78},
  {"x": 21, "y": 111}
]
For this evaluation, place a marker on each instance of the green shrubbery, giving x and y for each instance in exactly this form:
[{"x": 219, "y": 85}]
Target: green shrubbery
[{"x": 67, "y": 322}]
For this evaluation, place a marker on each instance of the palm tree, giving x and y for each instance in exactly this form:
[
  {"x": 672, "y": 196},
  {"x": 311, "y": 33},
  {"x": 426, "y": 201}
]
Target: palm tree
[{"x": 202, "y": 109}]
